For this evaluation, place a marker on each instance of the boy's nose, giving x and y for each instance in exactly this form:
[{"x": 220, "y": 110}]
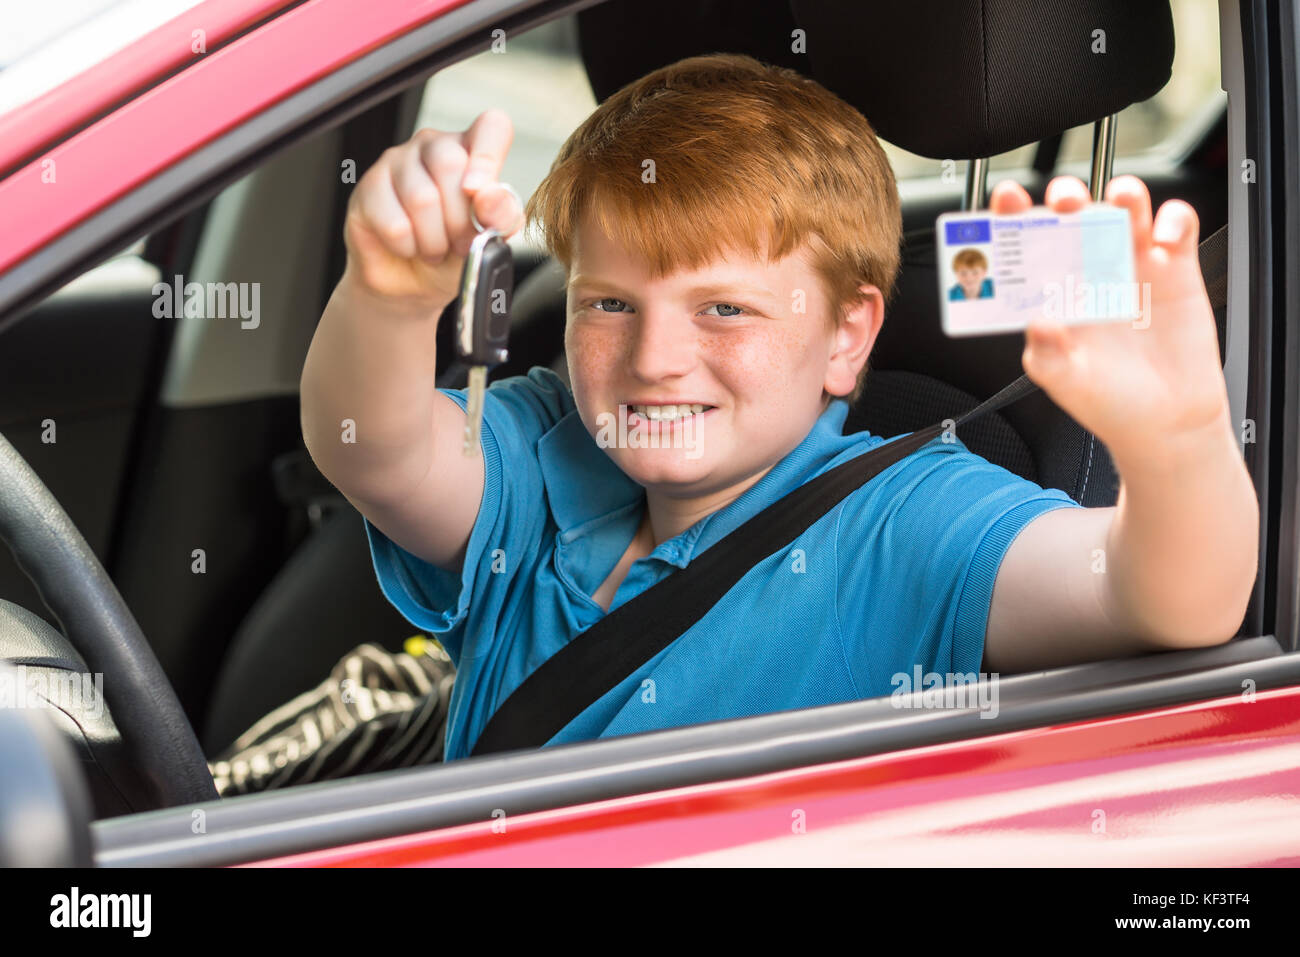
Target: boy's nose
[{"x": 663, "y": 346}]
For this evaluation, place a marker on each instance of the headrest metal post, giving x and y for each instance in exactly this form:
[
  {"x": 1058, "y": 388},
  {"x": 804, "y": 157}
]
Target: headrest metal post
[
  {"x": 977, "y": 180},
  {"x": 1103, "y": 155}
]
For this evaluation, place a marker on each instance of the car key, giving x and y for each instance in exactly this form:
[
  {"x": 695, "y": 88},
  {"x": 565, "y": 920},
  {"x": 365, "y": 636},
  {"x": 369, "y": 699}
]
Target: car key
[{"x": 483, "y": 322}]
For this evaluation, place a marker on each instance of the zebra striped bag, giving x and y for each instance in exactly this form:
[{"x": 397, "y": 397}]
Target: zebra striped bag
[{"x": 376, "y": 711}]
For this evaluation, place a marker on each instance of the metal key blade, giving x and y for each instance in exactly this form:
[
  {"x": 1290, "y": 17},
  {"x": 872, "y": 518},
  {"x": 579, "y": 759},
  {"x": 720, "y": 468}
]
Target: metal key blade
[{"x": 474, "y": 409}]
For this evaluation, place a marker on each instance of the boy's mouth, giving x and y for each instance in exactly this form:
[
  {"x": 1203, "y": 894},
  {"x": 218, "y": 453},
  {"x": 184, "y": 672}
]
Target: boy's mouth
[{"x": 666, "y": 413}]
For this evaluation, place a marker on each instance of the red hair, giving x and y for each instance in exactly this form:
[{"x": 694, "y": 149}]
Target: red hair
[{"x": 760, "y": 154}]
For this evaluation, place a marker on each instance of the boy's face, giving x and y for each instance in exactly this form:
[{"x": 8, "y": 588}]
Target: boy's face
[
  {"x": 971, "y": 277},
  {"x": 749, "y": 340}
]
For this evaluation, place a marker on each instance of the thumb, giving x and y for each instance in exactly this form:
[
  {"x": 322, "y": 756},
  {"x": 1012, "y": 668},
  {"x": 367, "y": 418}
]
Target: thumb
[
  {"x": 497, "y": 206},
  {"x": 1048, "y": 361}
]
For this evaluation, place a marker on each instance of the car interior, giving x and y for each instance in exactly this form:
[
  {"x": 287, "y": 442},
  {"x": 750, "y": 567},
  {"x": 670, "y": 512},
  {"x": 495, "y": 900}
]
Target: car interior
[{"x": 185, "y": 468}]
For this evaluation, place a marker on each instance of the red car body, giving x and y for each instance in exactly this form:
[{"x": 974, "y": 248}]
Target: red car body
[{"x": 1214, "y": 782}]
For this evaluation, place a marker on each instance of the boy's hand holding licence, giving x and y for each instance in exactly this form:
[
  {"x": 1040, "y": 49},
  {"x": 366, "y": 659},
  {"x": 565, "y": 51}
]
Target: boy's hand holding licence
[
  {"x": 1151, "y": 390},
  {"x": 409, "y": 227}
]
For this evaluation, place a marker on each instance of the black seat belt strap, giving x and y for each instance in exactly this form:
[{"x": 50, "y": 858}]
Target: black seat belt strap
[{"x": 598, "y": 659}]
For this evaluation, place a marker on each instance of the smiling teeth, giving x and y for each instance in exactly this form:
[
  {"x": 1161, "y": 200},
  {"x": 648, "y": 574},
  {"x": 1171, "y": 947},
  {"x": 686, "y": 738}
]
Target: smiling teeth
[{"x": 656, "y": 413}]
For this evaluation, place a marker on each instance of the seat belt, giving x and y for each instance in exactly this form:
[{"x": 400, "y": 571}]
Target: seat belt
[
  {"x": 612, "y": 649},
  {"x": 598, "y": 659}
]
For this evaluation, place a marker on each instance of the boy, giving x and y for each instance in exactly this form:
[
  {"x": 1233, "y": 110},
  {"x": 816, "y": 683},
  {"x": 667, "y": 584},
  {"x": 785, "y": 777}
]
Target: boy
[
  {"x": 730, "y": 233},
  {"x": 970, "y": 267}
]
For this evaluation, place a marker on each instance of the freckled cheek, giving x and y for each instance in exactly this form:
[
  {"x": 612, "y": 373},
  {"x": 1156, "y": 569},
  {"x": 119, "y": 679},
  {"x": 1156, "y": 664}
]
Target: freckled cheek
[
  {"x": 762, "y": 355},
  {"x": 595, "y": 356},
  {"x": 594, "y": 349}
]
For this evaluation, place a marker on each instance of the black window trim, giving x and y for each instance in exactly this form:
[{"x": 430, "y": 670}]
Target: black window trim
[{"x": 1278, "y": 232}]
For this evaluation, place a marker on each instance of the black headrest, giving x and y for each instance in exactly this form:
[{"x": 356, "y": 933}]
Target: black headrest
[
  {"x": 623, "y": 40},
  {"x": 948, "y": 79},
  {"x": 953, "y": 79}
]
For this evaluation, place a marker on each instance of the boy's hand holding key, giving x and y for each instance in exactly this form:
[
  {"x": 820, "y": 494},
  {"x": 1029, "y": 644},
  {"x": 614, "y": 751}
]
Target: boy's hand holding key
[
  {"x": 413, "y": 221},
  {"x": 372, "y": 417},
  {"x": 410, "y": 221}
]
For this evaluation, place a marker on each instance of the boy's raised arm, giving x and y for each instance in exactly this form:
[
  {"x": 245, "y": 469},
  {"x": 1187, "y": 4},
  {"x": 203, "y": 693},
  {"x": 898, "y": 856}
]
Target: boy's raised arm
[
  {"x": 1172, "y": 564},
  {"x": 372, "y": 418}
]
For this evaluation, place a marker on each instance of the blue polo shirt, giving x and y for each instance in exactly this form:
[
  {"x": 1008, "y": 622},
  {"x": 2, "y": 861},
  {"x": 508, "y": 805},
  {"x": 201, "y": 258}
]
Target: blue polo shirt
[{"x": 899, "y": 573}]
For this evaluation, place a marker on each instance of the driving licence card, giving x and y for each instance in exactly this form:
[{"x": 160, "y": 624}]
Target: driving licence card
[{"x": 999, "y": 272}]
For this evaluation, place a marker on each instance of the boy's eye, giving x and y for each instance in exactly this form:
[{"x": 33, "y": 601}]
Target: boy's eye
[
  {"x": 725, "y": 309},
  {"x": 610, "y": 305}
]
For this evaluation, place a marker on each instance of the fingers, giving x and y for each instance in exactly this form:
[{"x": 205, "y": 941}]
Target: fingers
[
  {"x": 1129, "y": 192},
  {"x": 487, "y": 142},
  {"x": 1009, "y": 197},
  {"x": 382, "y": 213},
  {"x": 446, "y": 160},
  {"x": 1067, "y": 194},
  {"x": 1176, "y": 228},
  {"x": 416, "y": 201},
  {"x": 422, "y": 202}
]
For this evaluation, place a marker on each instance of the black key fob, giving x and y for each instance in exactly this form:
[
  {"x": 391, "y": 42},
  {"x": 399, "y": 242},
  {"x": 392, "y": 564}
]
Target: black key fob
[{"x": 486, "y": 288}]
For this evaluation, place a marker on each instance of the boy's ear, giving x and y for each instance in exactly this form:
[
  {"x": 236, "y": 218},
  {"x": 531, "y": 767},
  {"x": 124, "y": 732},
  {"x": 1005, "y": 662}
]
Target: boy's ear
[{"x": 853, "y": 340}]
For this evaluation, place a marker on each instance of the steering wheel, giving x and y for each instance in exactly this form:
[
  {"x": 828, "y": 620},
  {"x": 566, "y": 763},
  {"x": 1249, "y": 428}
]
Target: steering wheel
[{"x": 156, "y": 734}]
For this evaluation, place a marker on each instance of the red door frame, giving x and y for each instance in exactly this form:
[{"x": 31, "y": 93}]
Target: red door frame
[{"x": 135, "y": 142}]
